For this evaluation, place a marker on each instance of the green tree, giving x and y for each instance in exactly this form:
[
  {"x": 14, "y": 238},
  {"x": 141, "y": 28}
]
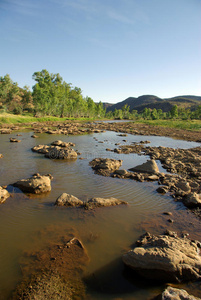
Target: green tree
[
  {"x": 174, "y": 112},
  {"x": 146, "y": 113},
  {"x": 154, "y": 114},
  {"x": 126, "y": 111}
]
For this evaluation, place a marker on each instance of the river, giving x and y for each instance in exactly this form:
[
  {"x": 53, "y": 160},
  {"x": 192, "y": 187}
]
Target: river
[{"x": 29, "y": 223}]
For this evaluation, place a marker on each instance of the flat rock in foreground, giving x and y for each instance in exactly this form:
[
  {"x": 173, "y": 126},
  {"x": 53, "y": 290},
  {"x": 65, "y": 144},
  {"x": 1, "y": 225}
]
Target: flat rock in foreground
[
  {"x": 166, "y": 258},
  {"x": 171, "y": 293},
  {"x": 149, "y": 167},
  {"x": 37, "y": 184},
  {"x": 4, "y": 194}
]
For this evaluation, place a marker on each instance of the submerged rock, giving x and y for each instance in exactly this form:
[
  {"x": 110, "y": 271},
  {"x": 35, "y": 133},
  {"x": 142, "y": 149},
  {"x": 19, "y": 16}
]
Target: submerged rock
[
  {"x": 68, "y": 200},
  {"x": 4, "y": 194},
  {"x": 149, "y": 167},
  {"x": 56, "y": 272},
  {"x": 37, "y": 184},
  {"x": 103, "y": 202},
  {"x": 45, "y": 286},
  {"x": 171, "y": 293},
  {"x": 166, "y": 258}
]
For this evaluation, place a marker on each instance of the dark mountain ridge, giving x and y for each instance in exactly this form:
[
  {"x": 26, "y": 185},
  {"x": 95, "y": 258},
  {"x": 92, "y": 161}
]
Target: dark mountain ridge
[{"x": 151, "y": 101}]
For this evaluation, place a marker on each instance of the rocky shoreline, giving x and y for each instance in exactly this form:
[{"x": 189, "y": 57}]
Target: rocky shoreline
[{"x": 75, "y": 128}]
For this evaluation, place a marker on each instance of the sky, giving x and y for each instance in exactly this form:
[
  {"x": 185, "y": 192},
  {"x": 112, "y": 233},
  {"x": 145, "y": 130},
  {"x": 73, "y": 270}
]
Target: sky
[{"x": 111, "y": 49}]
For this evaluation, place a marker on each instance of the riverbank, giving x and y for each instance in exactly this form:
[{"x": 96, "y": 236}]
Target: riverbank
[{"x": 10, "y": 123}]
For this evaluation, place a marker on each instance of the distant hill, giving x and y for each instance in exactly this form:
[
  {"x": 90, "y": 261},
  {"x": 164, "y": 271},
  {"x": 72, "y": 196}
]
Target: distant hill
[{"x": 151, "y": 101}]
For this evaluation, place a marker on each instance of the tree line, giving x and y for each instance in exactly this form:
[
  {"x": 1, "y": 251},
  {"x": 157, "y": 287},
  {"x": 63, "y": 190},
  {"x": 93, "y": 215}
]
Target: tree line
[
  {"x": 155, "y": 114},
  {"x": 52, "y": 96}
]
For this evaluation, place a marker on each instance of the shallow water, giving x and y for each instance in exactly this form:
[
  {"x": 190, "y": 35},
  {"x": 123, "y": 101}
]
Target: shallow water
[{"x": 29, "y": 223}]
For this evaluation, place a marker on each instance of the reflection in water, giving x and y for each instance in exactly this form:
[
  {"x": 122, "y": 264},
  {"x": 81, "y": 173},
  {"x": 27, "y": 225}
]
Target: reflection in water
[{"x": 106, "y": 233}]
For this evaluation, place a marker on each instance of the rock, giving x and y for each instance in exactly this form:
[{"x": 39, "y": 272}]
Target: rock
[
  {"x": 59, "y": 153},
  {"x": 5, "y": 131},
  {"x": 37, "y": 184},
  {"x": 149, "y": 167},
  {"x": 183, "y": 185},
  {"x": 152, "y": 177},
  {"x": 165, "y": 258},
  {"x": 13, "y": 140},
  {"x": 171, "y": 293},
  {"x": 192, "y": 200},
  {"x": 103, "y": 202},
  {"x": 68, "y": 200},
  {"x": 62, "y": 144},
  {"x": 4, "y": 194},
  {"x": 167, "y": 213},
  {"x": 105, "y": 163},
  {"x": 34, "y": 136},
  {"x": 40, "y": 149},
  {"x": 54, "y": 272},
  {"x": 1, "y": 155},
  {"x": 162, "y": 189},
  {"x": 121, "y": 172}
]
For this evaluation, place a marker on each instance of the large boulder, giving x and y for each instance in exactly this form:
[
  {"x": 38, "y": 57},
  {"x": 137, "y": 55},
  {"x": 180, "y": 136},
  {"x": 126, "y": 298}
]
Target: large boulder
[
  {"x": 4, "y": 194},
  {"x": 105, "y": 163},
  {"x": 37, "y": 184},
  {"x": 68, "y": 200},
  {"x": 164, "y": 257},
  {"x": 103, "y": 202},
  {"x": 149, "y": 167},
  {"x": 171, "y": 293}
]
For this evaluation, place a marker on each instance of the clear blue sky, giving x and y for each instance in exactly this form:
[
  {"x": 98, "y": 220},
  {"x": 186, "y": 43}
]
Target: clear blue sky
[{"x": 111, "y": 49}]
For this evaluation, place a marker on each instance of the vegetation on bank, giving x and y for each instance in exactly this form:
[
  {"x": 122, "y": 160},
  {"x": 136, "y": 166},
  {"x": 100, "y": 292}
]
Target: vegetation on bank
[
  {"x": 179, "y": 124},
  {"x": 51, "y": 96},
  {"x": 6, "y": 118},
  {"x": 175, "y": 113},
  {"x": 52, "y": 99}
]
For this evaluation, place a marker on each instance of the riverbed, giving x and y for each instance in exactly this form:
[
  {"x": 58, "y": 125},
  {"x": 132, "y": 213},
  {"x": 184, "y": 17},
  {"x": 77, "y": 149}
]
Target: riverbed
[{"x": 28, "y": 223}]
